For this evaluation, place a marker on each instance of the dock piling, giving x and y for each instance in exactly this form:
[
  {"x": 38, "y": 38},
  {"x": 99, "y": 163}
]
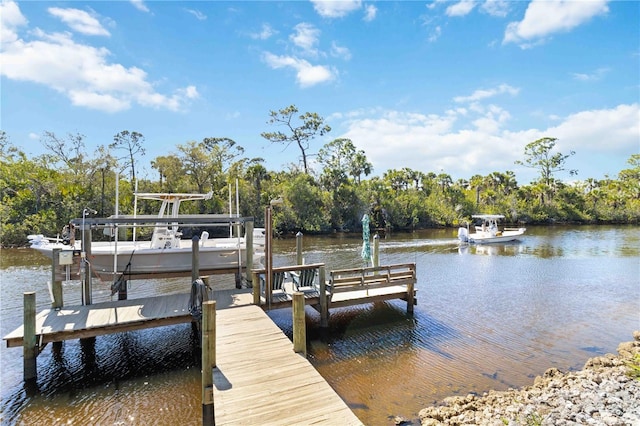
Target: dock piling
[
  {"x": 324, "y": 302},
  {"x": 208, "y": 360},
  {"x": 56, "y": 284},
  {"x": 30, "y": 349},
  {"x": 299, "y": 248},
  {"x": 195, "y": 258},
  {"x": 299, "y": 325}
]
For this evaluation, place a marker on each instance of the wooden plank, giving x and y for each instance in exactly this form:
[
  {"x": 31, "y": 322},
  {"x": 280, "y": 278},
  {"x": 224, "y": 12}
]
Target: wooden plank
[{"x": 260, "y": 380}]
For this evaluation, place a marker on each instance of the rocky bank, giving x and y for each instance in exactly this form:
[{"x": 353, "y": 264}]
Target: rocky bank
[{"x": 605, "y": 392}]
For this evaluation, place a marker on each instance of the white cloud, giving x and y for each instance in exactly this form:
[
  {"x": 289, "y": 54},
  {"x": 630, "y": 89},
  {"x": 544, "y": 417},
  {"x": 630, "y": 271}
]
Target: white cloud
[
  {"x": 265, "y": 33},
  {"x": 79, "y": 20},
  {"x": 10, "y": 20},
  {"x": 199, "y": 15},
  {"x": 370, "y": 12},
  {"x": 139, "y": 4},
  {"x": 488, "y": 93},
  {"x": 544, "y": 18},
  {"x": 594, "y": 76},
  {"x": 306, "y": 74},
  {"x": 465, "y": 142},
  {"x": 81, "y": 72},
  {"x": 604, "y": 130},
  {"x": 461, "y": 8},
  {"x": 340, "y": 51},
  {"x": 498, "y": 8},
  {"x": 306, "y": 37},
  {"x": 335, "y": 8},
  {"x": 435, "y": 34}
]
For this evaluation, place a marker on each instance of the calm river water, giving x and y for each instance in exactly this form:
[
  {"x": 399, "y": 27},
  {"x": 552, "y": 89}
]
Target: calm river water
[{"x": 488, "y": 317}]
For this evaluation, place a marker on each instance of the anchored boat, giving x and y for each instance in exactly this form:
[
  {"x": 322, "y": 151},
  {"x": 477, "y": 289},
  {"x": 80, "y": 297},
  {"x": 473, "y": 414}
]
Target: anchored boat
[
  {"x": 488, "y": 231},
  {"x": 166, "y": 252}
]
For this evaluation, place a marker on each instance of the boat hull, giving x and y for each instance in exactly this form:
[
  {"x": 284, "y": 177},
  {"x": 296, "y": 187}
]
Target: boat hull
[
  {"x": 137, "y": 259},
  {"x": 505, "y": 236}
]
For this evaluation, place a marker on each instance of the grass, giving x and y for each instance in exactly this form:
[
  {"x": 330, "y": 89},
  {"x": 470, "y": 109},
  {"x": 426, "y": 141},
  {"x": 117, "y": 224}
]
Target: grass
[{"x": 634, "y": 367}]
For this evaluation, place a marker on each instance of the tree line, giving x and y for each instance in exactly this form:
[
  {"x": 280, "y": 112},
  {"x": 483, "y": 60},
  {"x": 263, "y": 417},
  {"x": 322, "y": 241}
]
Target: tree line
[{"x": 41, "y": 194}]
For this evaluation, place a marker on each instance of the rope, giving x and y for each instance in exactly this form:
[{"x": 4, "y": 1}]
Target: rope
[{"x": 199, "y": 294}]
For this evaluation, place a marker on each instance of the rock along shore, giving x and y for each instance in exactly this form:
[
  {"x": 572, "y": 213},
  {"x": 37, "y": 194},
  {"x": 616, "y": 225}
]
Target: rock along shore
[{"x": 604, "y": 392}]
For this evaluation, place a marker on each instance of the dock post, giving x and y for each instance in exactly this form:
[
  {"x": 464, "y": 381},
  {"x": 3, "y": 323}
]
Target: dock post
[
  {"x": 256, "y": 288},
  {"x": 299, "y": 248},
  {"x": 324, "y": 303},
  {"x": 195, "y": 258},
  {"x": 299, "y": 325},
  {"x": 411, "y": 292},
  {"x": 248, "y": 243},
  {"x": 208, "y": 360},
  {"x": 86, "y": 266},
  {"x": 56, "y": 285},
  {"x": 30, "y": 350},
  {"x": 376, "y": 250}
]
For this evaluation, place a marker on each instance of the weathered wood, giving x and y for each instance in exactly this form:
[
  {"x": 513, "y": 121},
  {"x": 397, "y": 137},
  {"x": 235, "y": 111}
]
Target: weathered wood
[
  {"x": 56, "y": 284},
  {"x": 30, "y": 350},
  {"x": 208, "y": 360},
  {"x": 324, "y": 299},
  {"x": 299, "y": 324}
]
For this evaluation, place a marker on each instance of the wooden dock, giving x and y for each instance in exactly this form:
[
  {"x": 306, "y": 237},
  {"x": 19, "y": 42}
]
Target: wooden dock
[
  {"x": 259, "y": 379},
  {"x": 84, "y": 321}
]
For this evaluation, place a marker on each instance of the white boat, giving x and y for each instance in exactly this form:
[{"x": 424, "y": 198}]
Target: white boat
[
  {"x": 488, "y": 231},
  {"x": 166, "y": 253}
]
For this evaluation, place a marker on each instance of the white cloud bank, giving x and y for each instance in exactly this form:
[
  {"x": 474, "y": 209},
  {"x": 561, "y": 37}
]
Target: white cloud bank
[
  {"x": 81, "y": 72},
  {"x": 476, "y": 140}
]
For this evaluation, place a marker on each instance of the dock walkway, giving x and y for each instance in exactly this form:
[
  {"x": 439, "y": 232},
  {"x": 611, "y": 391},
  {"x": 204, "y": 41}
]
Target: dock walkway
[{"x": 260, "y": 380}]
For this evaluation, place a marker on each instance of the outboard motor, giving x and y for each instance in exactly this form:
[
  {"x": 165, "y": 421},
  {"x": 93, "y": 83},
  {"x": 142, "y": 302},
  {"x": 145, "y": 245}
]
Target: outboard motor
[{"x": 463, "y": 234}]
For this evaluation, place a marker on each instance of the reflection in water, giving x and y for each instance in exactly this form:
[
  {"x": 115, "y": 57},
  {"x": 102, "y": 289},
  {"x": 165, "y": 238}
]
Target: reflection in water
[{"x": 488, "y": 317}]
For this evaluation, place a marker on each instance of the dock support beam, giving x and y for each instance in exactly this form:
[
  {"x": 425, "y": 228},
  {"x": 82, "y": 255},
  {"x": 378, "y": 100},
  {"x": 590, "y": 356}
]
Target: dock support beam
[
  {"x": 376, "y": 250},
  {"x": 208, "y": 360},
  {"x": 248, "y": 245},
  {"x": 299, "y": 324},
  {"x": 299, "y": 259},
  {"x": 56, "y": 285},
  {"x": 30, "y": 348},
  {"x": 86, "y": 266},
  {"x": 324, "y": 302}
]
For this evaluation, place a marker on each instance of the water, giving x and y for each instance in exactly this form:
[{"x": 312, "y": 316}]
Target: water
[{"x": 489, "y": 317}]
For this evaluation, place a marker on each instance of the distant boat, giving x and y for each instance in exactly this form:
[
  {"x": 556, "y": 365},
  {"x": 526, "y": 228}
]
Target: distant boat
[
  {"x": 489, "y": 232},
  {"x": 166, "y": 253}
]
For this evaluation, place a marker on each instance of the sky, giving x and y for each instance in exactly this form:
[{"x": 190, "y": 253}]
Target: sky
[{"x": 456, "y": 87}]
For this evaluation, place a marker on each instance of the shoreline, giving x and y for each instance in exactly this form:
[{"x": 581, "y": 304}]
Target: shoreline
[{"x": 602, "y": 393}]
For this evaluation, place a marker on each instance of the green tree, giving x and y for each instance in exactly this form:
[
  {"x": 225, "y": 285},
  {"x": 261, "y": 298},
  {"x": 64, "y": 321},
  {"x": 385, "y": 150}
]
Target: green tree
[
  {"x": 131, "y": 143},
  {"x": 310, "y": 126}
]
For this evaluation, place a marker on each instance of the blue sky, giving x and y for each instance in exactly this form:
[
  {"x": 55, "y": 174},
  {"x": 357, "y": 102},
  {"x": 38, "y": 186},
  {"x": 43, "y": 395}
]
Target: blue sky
[{"x": 458, "y": 87}]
